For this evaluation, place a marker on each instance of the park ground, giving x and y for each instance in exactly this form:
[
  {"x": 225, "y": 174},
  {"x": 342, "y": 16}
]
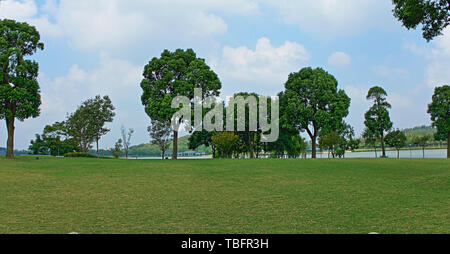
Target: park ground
[{"x": 58, "y": 195}]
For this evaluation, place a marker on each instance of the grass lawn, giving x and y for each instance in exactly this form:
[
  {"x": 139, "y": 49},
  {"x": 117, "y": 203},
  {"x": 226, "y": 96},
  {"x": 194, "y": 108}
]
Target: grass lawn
[{"x": 57, "y": 195}]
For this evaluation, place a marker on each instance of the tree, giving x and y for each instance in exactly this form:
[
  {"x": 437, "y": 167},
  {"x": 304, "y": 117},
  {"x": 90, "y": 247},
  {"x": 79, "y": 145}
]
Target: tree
[
  {"x": 200, "y": 138},
  {"x": 226, "y": 143},
  {"x": 117, "y": 148},
  {"x": 433, "y": 15},
  {"x": 126, "y": 139},
  {"x": 53, "y": 141},
  {"x": 314, "y": 102},
  {"x": 377, "y": 119},
  {"x": 175, "y": 74},
  {"x": 100, "y": 111},
  {"x": 397, "y": 140},
  {"x": 248, "y": 137},
  {"x": 439, "y": 110},
  {"x": 370, "y": 139},
  {"x": 161, "y": 133},
  {"x": 79, "y": 127},
  {"x": 422, "y": 142},
  {"x": 19, "y": 89}
]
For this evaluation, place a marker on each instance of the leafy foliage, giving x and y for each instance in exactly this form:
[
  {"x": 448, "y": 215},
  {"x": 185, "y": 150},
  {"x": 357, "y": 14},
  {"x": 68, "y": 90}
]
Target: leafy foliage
[
  {"x": 161, "y": 133},
  {"x": 226, "y": 144},
  {"x": 396, "y": 139},
  {"x": 433, "y": 15},
  {"x": 439, "y": 110}
]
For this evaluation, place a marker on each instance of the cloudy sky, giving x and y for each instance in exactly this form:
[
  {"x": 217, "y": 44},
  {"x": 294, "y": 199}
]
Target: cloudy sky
[{"x": 101, "y": 46}]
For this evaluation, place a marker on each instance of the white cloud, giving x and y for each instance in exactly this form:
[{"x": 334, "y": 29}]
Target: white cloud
[
  {"x": 116, "y": 24},
  {"x": 26, "y": 10},
  {"x": 327, "y": 18},
  {"x": 263, "y": 69},
  {"x": 437, "y": 53},
  {"x": 339, "y": 59}
]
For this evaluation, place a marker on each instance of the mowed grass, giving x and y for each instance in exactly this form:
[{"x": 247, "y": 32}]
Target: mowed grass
[{"x": 56, "y": 195}]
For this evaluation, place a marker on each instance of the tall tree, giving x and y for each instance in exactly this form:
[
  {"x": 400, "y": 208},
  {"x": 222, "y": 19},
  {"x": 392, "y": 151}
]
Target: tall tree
[
  {"x": 175, "y": 74},
  {"x": 396, "y": 139},
  {"x": 440, "y": 114},
  {"x": 126, "y": 139},
  {"x": 101, "y": 111},
  {"x": 315, "y": 102},
  {"x": 161, "y": 133},
  {"x": 433, "y": 15},
  {"x": 19, "y": 89},
  {"x": 377, "y": 119}
]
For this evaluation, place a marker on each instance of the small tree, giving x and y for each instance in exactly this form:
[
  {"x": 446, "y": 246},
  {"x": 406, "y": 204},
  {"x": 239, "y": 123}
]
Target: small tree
[
  {"x": 79, "y": 127},
  {"x": 370, "y": 139},
  {"x": 439, "y": 110},
  {"x": 126, "y": 139},
  {"x": 422, "y": 142},
  {"x": 117, "y": 148},
  {"x": 100, "y": 111},
  {"x": 161, "y": 133},
  {"x": 226, "y": 143},
  {"x": 397, "y": 140}
]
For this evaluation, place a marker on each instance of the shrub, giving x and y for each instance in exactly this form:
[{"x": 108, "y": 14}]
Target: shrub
[{"x": 79, "y": 155}]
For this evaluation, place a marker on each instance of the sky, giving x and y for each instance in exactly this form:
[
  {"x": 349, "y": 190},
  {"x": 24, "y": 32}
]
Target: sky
[{"x": 100, "y": 47}]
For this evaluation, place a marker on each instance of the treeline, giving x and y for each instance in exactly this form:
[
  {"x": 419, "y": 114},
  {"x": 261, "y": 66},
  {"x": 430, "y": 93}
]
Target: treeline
[{"x": 311, "y": 103}]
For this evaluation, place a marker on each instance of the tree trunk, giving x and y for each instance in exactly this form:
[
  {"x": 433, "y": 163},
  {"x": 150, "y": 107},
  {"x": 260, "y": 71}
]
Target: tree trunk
[
  {"x": 175, "y": 145},
  {"x": 98, "y": 153},
  {"x": 10, "y": 142},
  {"x": 423, "y": 151},
  {"x": 376, "y": 155},
  {"x": 163, "y": 154},
  {"x": 448, "y": 145},
  {"x": 252, "y": 152},
  {"x": 398, "y": 154},
  {"x": 314, "y": 152},
  {"x": 382, "y": 146}
]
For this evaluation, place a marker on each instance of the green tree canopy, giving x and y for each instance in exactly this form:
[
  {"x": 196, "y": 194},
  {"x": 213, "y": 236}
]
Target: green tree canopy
[
  {"x": 314, "y": 102},
  {"x": 100, "y": 111},
  {"x": 175, "y": 74},
  {"x": 397, "y": 140},
  {"x": 439, "y": 110},
  {"x": 19, "y": 89},
  {"x": 433, "y": 15}
]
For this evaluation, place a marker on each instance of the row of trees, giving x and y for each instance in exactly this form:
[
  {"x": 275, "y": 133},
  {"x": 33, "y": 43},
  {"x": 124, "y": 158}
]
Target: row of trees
[{"x": 178, "y": 73}]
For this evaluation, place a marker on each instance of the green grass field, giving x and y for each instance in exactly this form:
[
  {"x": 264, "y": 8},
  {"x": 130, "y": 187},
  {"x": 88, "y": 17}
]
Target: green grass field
[{"x": 224, "y": 196}]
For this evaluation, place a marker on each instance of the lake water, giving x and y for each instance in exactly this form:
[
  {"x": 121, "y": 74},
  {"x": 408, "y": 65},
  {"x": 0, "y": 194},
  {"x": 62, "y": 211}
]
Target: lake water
[{"x": 404, "y": 154}]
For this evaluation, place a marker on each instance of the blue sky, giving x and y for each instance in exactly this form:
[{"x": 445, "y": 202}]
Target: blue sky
[{"x": 101, "y": 46}]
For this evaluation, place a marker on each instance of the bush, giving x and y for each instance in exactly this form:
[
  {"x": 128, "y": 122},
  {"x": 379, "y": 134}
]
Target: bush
[{"x": 79, "y": 155}]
